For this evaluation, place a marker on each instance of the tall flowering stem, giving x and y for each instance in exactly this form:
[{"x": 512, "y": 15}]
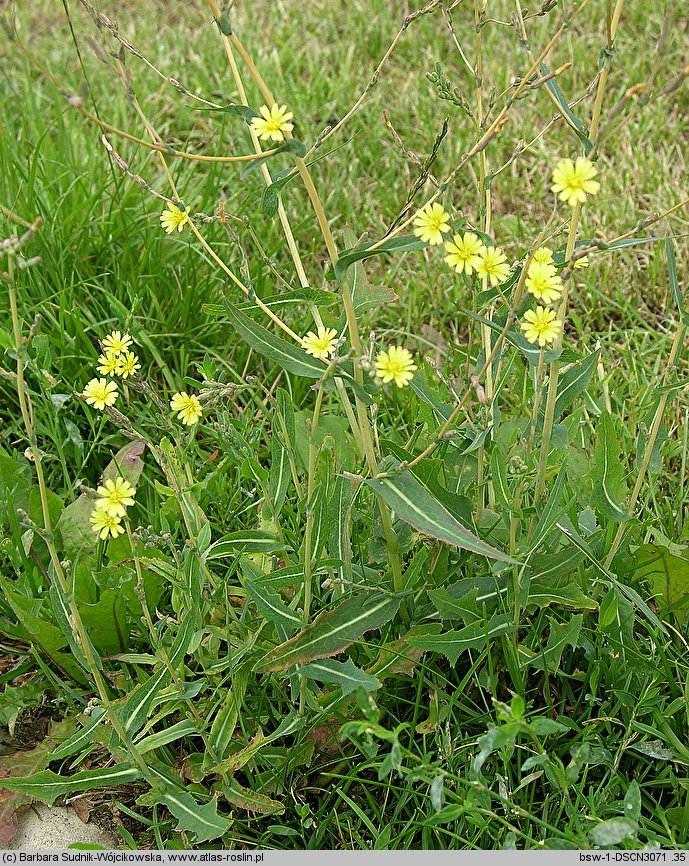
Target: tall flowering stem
[
  {"x": 554, "y": 372},
  {"x": 364, "y": 424},
  {"x": 27, "y": 413}
]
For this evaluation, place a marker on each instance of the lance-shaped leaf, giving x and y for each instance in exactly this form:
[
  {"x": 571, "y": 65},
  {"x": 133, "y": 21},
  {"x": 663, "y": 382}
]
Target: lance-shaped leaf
[
  {"x": 48, "y": 786},
  {"x": 291, "y": 146},
  {"x": 572, "y": 383},
  {"x": 246, "y": 541},
  {"x": 610, "y": 488},
  {"x": 577, "y": 125},
  {"x": 416, "y": 505},
  {"x": 135, "y": 709},
  {"x": 203, "y": 821},
  {"x": 287, "y": 355},
  {"x": 453, "y": 643},
  {"x": 344, "y": 674},
  {"x": 272, "y": 607},
  {"x": 332, "y": 631},
  {"x": 403, "y": 244},
  {"x": 252, "y": 801},
  {"x": 243, "y": 756},
  {"x": 561, "y": 635}
]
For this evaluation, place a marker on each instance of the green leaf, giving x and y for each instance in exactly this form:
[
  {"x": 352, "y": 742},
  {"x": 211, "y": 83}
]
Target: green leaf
[
  {"x": 403, "y": 244},
  {"x": 185, "y": 728},
  {"x": 134, "y": 711},
  {"x": 291, "y": 146},
  {"x": 48, "y": 786},
  {"x": 245, "y": 541},
  {"x": 609, "y": 488},
  {"x": 550, "y": 514},
  {"x": 203, "y": 821},
  {"x": 565, "y": 594},
  {"x": 415, "y": 504},
  {"x": 127, "y": 463},
  {"x": 344, "y": 674},
  {"x": 242, "y": 757},
  {"x": 339, "y": 543},
  {"x": 475, "y": 636},
  {"x": 75, "y": 528},
  {"x": 577, "y": 125},
  {"x": 42, "y": 632},
  {"x": 280, "y": 474},
  {"x": 398, "y": 657},
  {"x": 243, "y": 111},
  {"x": 332, "y": 631},
  {"x": 572, "y": 383},
  {"x": 226, "y": 719},
  {"x": 287, "y": 355},
  {"x": 272, "y": 607},
  {"x": 668, "y": 573},
  {"x": 674, "y": 283},
  {"x": 291, "y": 575},
  {"x": 632, "y": 801},
  {"x": 80, "y": 740},
  {"x": 252, "y": 801},
  {"x": 464, "y": 607},
  {"x": 561, "y": 635}
]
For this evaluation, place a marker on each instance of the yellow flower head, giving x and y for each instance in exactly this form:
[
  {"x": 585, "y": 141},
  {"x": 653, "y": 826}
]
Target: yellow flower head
[
  {"x": 174, "y": 218},
  {"x": 105, "y": 524},
  {"x": 116, "y": 342},
  {"x": 187, "y": 407},
  {"x": 543, "y": 282},
  {"x": 493, "y": 266},
  {"x": 115, "y": 497},
  {"x": 127, "y": 364},
  {"x": 573, "y": 181},
  {"x": 100, "y": 393},
  {"x": 320, "y": 345},
  {"x": 430, "y": 223},
  {"x": 274, "y": 123},
  {"x": 464, "y": 252},
  {"x": 543, "y": 255},
  {"x": 107, "y": 363},
  {"x": 583, "y": 262},
  {"x": 396, "y": 365},
  {"x": 540, "y": 326}
]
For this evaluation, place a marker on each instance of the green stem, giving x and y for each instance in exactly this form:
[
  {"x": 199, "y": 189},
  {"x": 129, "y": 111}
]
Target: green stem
[{"x": 81, "y": 635}]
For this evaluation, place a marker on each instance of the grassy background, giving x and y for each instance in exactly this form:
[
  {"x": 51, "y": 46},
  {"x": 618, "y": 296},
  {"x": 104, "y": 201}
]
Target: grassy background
[{"x": 106, "y": 263}]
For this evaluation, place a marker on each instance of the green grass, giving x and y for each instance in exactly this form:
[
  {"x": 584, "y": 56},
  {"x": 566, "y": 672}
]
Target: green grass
[{"x": 107, "y": 264}]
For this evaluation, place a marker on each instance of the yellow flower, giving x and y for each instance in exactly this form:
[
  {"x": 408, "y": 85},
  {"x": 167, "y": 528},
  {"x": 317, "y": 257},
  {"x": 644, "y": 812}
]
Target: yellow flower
[
  {"x": 115, "y": 497},
  {"x": 116, "y": 342},
  {"x": 543, "y": 255},
  {"x": 395, "y": 364},
  {"x": 107, "y": 364},
  {"x": 583, "y": 262},
  {"x": 173, "y": 218},
  {"x": 186, "y": 406},
  {"x": 127, "y": 364},
  {"x": 431, "y": 221},
  {"x": 493, "y": 266},
  {"x": 100, "y": 393},
  {"x": 543, "y": 282},
  {"x": 464, "y": 252},
  {"x": 540, "y": 326},
  {"x": 105, "y": 524},
  {"x": 573, "y": 182},
  {"x": 320, "y": 345},
  {"x": 274, "y": 123}
]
